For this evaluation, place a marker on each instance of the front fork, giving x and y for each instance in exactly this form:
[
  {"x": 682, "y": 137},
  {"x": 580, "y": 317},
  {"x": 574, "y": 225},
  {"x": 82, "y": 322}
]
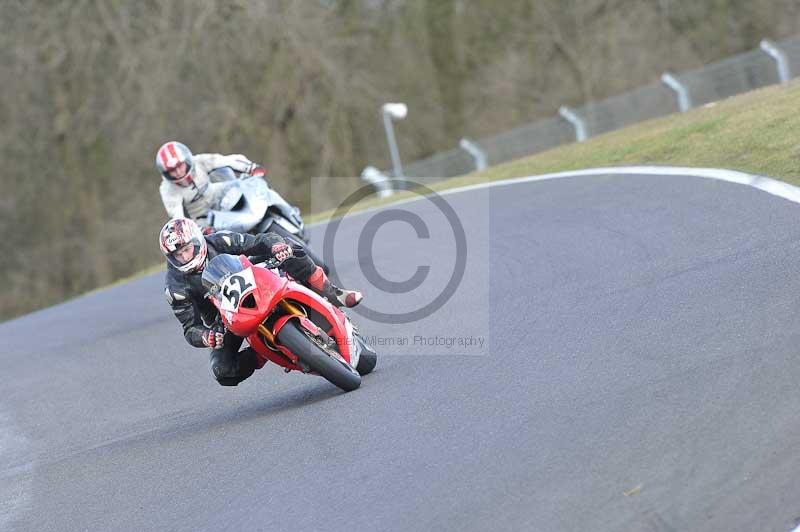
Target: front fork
[{"x": 291, "y": 310}]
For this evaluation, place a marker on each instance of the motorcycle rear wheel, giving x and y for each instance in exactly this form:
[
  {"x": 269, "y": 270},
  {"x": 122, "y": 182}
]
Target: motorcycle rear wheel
[{"x": 300, "y": 342}]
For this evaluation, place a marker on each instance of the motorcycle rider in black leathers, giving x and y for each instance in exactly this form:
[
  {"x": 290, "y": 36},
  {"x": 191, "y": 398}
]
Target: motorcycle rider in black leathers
[{"x": 187, "y": 251}]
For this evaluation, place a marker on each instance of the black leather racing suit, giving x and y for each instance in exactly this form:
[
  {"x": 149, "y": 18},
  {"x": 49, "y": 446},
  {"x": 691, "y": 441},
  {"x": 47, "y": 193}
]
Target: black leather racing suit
[{"x": 185, "y": 294}]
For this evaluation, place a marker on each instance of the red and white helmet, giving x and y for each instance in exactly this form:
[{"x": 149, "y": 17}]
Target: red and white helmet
[
  {"x": 175, "y": 237},
  {"x": 174, "y": 162}
]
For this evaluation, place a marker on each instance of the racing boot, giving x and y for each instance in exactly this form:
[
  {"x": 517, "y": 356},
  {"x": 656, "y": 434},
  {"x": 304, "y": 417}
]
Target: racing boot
[{"x": 319, "y": 282}]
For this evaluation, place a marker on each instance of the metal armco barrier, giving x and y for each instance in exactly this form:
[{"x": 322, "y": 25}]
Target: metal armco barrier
[{"x": 770, "y": 64}]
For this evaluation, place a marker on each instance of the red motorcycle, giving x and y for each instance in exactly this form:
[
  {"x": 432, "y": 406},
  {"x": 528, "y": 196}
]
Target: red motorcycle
[{"x": 287, "y": 323}]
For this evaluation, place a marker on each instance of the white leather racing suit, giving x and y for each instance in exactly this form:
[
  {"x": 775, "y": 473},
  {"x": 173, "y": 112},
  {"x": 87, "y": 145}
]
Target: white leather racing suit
[{"x": 205, "y": 191}]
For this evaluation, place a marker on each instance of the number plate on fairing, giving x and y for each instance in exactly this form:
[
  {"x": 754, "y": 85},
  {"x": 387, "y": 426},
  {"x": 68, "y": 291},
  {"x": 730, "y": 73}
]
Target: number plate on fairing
[{"x": 235, "y": 288}]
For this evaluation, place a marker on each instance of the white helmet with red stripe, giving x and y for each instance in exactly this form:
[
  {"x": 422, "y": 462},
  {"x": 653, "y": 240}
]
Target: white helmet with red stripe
[
  {"x": 174, "y": 161},
  {"x": 182, "y": 242}
]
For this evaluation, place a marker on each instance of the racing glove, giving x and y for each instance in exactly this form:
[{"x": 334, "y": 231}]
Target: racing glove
[
  {"x": 281, "y": 251},
  {"x": 214, "y": 338},
  {"x": 256, "y": 170}
]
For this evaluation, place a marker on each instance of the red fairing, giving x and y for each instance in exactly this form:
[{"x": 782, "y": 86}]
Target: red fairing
[
  {"x": 269, "y": 287},
  {"x": 270, "y": 290},
  {"x": 297, "y": 292},
  {"x": 246, "y": 320}
]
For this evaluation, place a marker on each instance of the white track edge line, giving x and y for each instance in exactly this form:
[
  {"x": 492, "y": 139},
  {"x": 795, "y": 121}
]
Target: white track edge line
[{"x": 764, "y": 183}]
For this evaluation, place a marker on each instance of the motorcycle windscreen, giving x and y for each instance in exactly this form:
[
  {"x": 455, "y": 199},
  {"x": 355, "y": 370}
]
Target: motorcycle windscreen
[{"x": 218, "y": 270}]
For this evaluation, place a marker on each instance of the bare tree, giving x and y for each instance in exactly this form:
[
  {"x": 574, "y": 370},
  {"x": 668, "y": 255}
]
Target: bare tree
[{"x": 93, "y": 87}]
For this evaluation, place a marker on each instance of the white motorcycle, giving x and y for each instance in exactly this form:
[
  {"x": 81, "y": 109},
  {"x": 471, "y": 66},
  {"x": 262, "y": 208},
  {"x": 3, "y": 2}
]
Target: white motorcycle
[{"x": 250, "y": 205}]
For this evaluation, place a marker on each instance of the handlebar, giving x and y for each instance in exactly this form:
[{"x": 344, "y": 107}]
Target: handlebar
[{"x": 265, "y": 260}]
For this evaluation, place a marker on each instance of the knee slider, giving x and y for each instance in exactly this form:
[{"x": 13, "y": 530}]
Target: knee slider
[
  {"x": 223, "y": 367},
  {"x": 229, "y": 381},
  {"x": 230, "y": 371},
  {"x": 223, "y": 371}
]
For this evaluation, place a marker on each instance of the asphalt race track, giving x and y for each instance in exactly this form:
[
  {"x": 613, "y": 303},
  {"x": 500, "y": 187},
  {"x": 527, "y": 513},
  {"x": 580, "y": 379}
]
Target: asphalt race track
[{"x": 639, "y": 373}]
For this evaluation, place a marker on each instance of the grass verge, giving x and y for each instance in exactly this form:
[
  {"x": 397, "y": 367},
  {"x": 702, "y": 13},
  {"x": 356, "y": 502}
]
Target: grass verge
[{"x": 757, "y": 132}]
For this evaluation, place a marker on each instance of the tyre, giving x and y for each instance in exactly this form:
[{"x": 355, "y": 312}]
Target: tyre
[
  {"x": 309, "y": 349},
  {"x": 294, "y": 239},
  {"x": 367, "y": 360}
]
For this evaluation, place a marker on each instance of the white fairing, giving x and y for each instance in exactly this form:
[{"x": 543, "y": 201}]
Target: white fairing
[
  {"x": 290, "y": 215},
  {"x": 254, "y": 192},
  {"x": 232, "y": 196},
  {"x": 245, "y": 205}
]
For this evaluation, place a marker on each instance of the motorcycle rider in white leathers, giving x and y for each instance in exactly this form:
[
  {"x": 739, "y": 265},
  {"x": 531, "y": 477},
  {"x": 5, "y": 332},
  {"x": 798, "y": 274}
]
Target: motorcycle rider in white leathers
[{"x": 188, "y": 188}]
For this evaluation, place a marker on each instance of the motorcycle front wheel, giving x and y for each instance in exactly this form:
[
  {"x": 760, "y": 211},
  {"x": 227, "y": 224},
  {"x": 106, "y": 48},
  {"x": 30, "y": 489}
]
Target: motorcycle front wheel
[{"x": 308, "y": 347}]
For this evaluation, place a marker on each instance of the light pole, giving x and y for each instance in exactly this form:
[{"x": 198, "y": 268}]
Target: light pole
[{"x": 396, "y": 111}]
